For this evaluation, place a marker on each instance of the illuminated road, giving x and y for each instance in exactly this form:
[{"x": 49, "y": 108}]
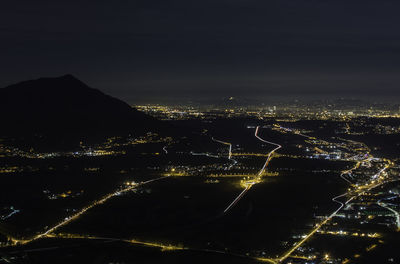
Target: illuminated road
[
  {"x": 296, "y": 132},
  {"x": 14, "y": 211},
  {"x": 225, "y": 143},
  {"x": 161, "y": 246},
  {"x": 348, "y": 172},
  {"x": 250, "y": 154},
  {"x": 361, "y": 190},
  {"x": 352, "y": 194},
  {"x": 234, "y": 162},
  {"x": 396, "y": 214},
  {"x": 342, "y": 175},
  {"x": 165, "y": 149},
  {"x": 269, "y": 154},
  {"x": 204, "y": 154},
  {"x": 300, "y": 243},
  {"x": 84, "y": 210},
  {"x": 237, "y": 199},
  {"x": 343, "y": 199},
  {"x": 249, "y": 183}
]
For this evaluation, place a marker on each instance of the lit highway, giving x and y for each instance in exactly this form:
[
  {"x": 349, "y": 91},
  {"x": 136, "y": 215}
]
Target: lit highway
[
  {"x": 225, "y": 143},
  {"x": 165, "y": 149},
  {"x": 364, "y": 174},
  {"x": 247, "y": 184},
  {"x": 234, "y": 162},
  {"x": 84, "y": 210},
  {"x": 237, "y": 199},
  {"x": 395, "y": 213},
  {"x": 204, "y": 154},
  {"x": 269, "y": 154},
  {"x": 353, "y": 194},
  {"x": 309, "y": 235},
  {"x": 375, "y": 181},
  {"x": 349, "y": 171},
  {"x": 161, "y": 246}
]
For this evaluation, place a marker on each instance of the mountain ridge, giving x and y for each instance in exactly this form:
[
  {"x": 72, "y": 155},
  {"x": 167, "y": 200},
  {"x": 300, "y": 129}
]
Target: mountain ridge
[{"x": 66, "y": 105}]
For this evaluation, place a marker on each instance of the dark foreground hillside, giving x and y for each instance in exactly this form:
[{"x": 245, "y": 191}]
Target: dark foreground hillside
[{"x": 66, "y": 109}]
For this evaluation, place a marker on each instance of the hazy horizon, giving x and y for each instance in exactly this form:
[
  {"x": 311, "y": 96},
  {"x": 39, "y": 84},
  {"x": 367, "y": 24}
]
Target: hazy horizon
[{"x": 176, "y": 49}]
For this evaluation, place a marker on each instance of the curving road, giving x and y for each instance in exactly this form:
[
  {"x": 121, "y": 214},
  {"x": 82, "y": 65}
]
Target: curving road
[
  {"x": 353, "y": 195},
  {"x": 250, "y": 184}
]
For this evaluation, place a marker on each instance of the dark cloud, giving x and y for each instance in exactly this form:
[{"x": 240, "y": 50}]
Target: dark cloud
[{"x": 209, "y": 47}]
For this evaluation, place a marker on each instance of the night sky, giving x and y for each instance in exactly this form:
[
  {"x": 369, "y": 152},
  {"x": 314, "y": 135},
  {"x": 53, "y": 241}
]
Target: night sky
[{"x": 142, "y": 50}]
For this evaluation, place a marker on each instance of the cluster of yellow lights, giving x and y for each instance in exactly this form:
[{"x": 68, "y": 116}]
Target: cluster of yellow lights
[
  {"x": 163, "y": 247},
  {"x": 80, "y": 213},
  {"x": 175, "y": 173},
  {"x": 248, "y": 183},
  {"x": 346, "y": 233},
  {"x": 245, "y": 183}
]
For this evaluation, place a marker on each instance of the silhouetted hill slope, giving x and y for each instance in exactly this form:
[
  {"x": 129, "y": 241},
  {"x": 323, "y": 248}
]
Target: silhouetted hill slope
[{"x": 65, "y": 105}]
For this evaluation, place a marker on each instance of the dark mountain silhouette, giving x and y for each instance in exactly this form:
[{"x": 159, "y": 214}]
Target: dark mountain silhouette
[{"x": 66, "y": 106}]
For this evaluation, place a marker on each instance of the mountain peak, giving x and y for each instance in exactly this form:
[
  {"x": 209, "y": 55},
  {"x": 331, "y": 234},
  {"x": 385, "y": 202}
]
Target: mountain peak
[
  {"x": 68, "y": 77},
  {"x": 66, "y": 82},
  {"x": 66, "y": 104}
]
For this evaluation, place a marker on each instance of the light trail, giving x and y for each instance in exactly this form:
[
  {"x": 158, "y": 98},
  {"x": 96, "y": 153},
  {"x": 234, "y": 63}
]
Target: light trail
[
  {"x": 161, "y": 246},
  {"x": 396, "y": 214},
  {"x": 225, "y": 143},
  {"x": 354, "y": 193},
  {"x": 84, "y": 210},
  {"x": 250, "y": 154},
  {"x": 299, "y": 244},
  {"x": 249, "y": 183},
  {"x": 269, "y": 154},
  {"x": 204, "y": 154},
  {"x": 348, "y": 172},
  {"x": 6, "y": 260},
  {"x": 357, "y": 193},
  {"x": 342, "y": 176},
  {"x": 165, "y": 149},
  {"x": 229, "y": 151},
  {"x": 294, "y": 131},
  {"x": 237, "y": 199},
  {"x": 15, "y": 211}
]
